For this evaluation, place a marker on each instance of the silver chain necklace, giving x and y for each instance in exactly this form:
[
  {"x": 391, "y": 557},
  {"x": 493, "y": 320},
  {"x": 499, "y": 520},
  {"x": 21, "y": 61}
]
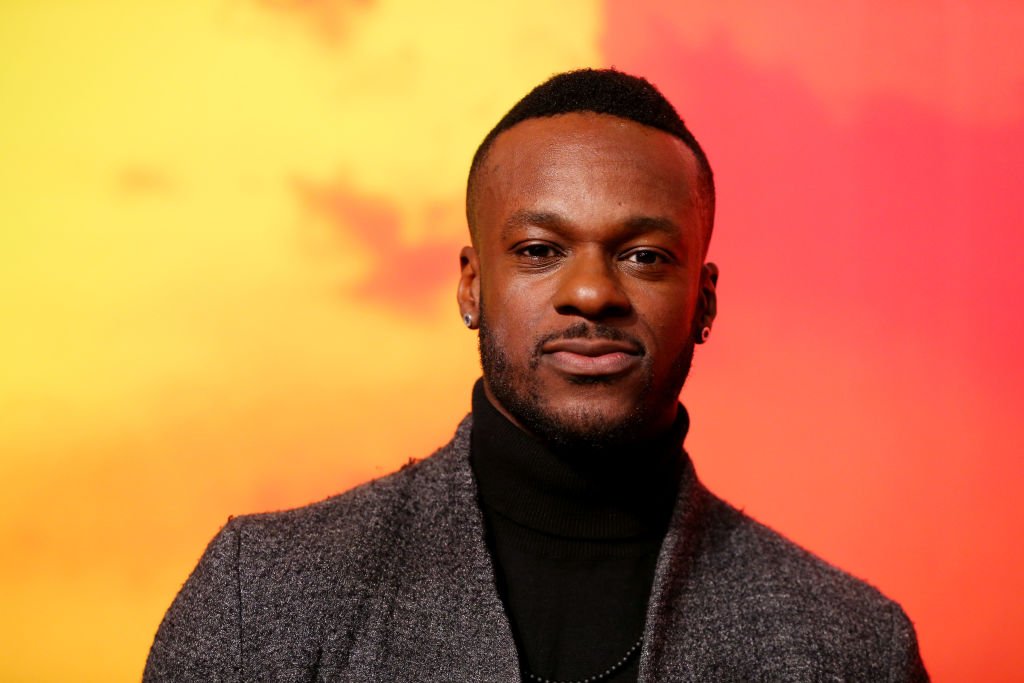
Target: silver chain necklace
[{"x": 596, "y": 678}]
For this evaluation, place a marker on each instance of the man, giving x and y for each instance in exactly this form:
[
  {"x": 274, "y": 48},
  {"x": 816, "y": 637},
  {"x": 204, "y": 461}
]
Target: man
[{"x": 562, "y": 535}]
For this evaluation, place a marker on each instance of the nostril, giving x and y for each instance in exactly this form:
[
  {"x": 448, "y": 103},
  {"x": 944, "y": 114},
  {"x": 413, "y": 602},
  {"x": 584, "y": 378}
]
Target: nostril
[{"x": 593, "y": 302}]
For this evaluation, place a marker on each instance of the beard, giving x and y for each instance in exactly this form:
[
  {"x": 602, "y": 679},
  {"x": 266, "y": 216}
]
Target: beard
[{"x": 518, "y": 390}]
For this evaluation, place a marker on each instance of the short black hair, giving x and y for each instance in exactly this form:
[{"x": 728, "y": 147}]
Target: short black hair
[{"x": 602, "y": 91}]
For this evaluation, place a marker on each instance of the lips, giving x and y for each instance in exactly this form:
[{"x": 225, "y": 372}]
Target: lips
[{"x": 592, "y": 357}]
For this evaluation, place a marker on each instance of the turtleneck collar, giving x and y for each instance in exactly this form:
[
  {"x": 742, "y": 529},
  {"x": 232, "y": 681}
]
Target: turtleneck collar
[{"x": 625, "y": 495}]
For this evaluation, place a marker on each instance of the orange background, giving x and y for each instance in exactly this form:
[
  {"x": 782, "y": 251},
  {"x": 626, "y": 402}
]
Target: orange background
[{"x": 228, "y": 250}]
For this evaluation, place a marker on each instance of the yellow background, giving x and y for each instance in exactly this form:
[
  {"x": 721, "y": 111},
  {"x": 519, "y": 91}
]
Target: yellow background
[{"x": 182, "y": 333}]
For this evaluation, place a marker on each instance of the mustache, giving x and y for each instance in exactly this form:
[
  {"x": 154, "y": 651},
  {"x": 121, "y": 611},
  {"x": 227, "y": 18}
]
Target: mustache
[{"x": 583, "y": 330}]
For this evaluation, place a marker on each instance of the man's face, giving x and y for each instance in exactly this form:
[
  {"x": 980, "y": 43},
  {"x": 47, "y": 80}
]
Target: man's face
[{"x": 586, "y": 277}]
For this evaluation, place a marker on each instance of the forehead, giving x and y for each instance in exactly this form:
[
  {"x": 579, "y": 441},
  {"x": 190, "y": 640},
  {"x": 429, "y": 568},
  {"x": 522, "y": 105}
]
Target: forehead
[{"x": 586, "y": 166}]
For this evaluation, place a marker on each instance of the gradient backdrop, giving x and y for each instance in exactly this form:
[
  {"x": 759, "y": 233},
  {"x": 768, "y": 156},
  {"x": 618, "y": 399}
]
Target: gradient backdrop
[{"x": 228, "y": 254}]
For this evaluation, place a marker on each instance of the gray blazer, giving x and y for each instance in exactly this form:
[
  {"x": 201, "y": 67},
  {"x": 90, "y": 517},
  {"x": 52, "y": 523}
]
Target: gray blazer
[{"x": 392, "y": 581}]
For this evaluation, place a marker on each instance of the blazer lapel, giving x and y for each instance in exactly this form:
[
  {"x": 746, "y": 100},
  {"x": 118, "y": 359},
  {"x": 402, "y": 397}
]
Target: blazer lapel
[
  {"x": 671, "y": 581},
  {"x": 442, "y": 615}
]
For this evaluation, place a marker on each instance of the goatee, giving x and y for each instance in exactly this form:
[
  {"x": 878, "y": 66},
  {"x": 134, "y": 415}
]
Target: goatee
[{"x": 578, "y": 429}]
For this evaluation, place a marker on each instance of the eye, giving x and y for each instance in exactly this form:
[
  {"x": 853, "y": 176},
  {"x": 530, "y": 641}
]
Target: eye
[
  {"x": 537, "y": 250},
  {"x": 645, "y": 257}
]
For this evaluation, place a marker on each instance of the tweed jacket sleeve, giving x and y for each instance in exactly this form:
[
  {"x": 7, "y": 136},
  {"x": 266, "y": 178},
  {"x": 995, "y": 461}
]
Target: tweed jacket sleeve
[
  {"x": 906, "y": 665},
  {"x": 199, "y": 638}
]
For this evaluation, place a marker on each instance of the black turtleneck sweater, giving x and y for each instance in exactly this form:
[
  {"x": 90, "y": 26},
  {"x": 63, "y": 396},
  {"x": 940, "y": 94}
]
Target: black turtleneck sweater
[{"x": 575, "y": 539}]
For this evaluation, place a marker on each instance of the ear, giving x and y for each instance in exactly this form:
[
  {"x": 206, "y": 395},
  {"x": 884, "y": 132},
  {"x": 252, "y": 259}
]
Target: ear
[
  {"x": 468, "y": 293},
  {"x": 707, "y": 300}
]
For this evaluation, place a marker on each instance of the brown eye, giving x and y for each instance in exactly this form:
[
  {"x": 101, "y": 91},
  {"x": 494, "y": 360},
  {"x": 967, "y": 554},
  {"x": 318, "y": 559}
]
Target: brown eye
[
  {"x": 537, "y": 251},
  {"x": 645, "y": 257}
]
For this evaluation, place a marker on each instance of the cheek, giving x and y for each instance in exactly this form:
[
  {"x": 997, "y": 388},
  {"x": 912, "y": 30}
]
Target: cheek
[
  {"x": 671, "y": 338},
  {"x": 509, "y": 323},
  {"x": 518, "y": 329},
  {"x": 523, "y": 302},
  {"x": 669, "y": 320}
]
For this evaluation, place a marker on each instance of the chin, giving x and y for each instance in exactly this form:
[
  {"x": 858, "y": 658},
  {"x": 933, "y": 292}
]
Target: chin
[
  {"x": 587, "y": 429},
  {"x": 583, "y": 417}
]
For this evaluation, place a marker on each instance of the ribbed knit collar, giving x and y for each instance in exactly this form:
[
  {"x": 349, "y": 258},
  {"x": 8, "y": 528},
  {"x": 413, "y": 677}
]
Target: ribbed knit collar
[{"x": 625, "y": 495}]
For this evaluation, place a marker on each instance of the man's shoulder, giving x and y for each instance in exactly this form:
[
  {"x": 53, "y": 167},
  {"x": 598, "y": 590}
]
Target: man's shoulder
[
  {"x": 748, "y": 553},
  {"x": 372, "y": 510},
  {"x": 791, "y": 608}
]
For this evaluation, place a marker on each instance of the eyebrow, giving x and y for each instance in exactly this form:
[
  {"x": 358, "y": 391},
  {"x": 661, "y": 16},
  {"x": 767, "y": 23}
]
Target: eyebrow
[
  {"x": 642, "y": 224},
  {"x": 525, "y": 217},
  {"x": 635, "y": 225}
]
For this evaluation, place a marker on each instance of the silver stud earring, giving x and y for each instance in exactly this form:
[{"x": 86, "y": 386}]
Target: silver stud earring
[
  {"x": 468, "y": 319},
  {"x": 704, "y": 334}
]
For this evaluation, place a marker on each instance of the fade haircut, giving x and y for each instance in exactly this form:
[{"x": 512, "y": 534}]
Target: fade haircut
[{"x": 601, "y": 91}]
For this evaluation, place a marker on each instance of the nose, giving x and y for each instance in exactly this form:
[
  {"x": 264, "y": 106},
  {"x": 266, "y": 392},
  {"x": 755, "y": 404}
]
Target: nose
[{"x": 589, "y": 288}]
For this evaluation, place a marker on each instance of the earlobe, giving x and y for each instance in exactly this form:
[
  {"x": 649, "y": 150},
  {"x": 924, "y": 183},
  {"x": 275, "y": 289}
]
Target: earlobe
[
  {"x": 707, "y": 302},
  {"x": 468, "y": 293}
]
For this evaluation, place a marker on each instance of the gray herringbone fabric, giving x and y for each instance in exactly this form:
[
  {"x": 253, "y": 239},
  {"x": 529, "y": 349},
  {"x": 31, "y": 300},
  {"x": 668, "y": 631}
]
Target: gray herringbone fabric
[{"x": 392, "y": 581}]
